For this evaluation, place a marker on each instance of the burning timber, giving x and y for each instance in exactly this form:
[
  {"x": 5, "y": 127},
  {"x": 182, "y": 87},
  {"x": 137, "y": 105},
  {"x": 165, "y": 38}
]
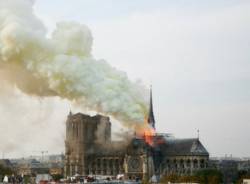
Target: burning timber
[{"x": 89, "y": 150}]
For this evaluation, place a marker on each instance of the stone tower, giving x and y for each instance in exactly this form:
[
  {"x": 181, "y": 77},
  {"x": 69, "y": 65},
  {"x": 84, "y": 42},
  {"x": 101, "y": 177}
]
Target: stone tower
[{"x": 82, "y": 133}]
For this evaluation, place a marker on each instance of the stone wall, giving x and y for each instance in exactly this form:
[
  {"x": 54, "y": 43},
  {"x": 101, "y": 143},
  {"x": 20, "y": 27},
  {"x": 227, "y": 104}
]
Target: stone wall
[
  {"x": 183, "y": 165},
  {"x": 82, "y": 134}
]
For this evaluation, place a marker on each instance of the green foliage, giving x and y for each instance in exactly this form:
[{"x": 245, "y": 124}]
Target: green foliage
[
  {"x": 208, "y": 176},
  {"x": 26, "y": 179},
  {"x": 174, "y": 178},
  {"x": 57, "y": 177},
  {"x": 242, "y": 175},
  {"x": 5, "y": 171}
]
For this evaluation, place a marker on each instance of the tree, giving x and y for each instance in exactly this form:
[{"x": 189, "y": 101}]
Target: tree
[
  {"x": 209, "y": 176},
  {"x": 242, "y": 175},
  {"x": 5, "y": 170},
  {"x": 173, "y": 178},
  {"x": 57, "y": 177}
]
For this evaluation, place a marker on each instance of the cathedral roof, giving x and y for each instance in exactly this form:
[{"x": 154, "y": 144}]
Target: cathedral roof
[{"x": 183, "y": 147}]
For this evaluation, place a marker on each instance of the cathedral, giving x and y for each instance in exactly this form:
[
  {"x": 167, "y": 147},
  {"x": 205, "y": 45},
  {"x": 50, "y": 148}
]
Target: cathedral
[{"x": 89, "y": 150}]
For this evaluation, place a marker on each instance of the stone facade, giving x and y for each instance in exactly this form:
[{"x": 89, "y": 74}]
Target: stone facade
[
  {"x": 185, "y": 165},
  {"x": 182, "y": 156},
  {"x": 89, "y": 150},
  {"x": 82, "y": 134}
]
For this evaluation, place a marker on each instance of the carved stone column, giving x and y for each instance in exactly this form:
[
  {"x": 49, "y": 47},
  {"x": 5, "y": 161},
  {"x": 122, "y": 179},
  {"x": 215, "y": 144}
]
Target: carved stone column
[{"x": 191, "y": 165}]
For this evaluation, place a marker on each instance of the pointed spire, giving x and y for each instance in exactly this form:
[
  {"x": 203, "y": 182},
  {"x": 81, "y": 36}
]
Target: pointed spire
[{"x": 151, "y": 118}]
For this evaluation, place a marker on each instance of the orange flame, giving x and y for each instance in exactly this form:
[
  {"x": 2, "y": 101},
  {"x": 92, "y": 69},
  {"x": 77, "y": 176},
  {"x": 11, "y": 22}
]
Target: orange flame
[{"x": 149, "y": 134}]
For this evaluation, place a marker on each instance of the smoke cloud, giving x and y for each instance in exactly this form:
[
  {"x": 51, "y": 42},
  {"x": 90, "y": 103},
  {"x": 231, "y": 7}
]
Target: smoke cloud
[{"x": 62, "y": 65}]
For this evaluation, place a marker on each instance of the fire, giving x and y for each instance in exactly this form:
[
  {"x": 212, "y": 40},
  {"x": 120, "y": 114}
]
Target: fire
[{"x": 149, "y": 134}]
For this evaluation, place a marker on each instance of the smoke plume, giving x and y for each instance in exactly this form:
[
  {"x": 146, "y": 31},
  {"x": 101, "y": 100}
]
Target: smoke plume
[{"x": 62, "y": 65}]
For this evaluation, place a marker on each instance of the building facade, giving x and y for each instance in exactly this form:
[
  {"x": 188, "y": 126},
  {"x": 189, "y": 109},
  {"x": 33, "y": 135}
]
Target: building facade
[{"x": 89, "y": 150}]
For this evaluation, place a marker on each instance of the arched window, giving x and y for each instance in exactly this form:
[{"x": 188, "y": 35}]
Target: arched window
[
  {"x": 202, "y": 163},
  {"x": 182, "y": 164},
  {"x": 188, "y": 162},
  {"x": 104, "y": 166},
  {"x": 175, "y": 164},
  {"x": 195, "y": 163}
]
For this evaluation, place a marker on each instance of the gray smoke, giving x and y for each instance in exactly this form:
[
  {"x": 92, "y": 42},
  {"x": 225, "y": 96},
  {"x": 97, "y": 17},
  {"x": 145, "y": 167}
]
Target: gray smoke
[{"x": 62, "y": 65}]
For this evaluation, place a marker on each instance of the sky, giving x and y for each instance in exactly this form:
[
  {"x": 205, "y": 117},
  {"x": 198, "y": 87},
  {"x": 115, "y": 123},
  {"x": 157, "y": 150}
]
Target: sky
[{"x": 194, "y": 53}]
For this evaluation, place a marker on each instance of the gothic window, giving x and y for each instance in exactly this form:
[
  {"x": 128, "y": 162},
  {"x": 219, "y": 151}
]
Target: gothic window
[
  {"x": 188, "y": 163},
  {"x": 110, "y": 163},
  {"x": 93, "y": 165},
  {"x": 117, "y": 164},
  {"x": 202, "y": 163},
  {"x": 104, "y": 163},
  {"x": 98, "y": 163},
  {"x": 121, "y": 162},
  {"x": 195, "y": 163},
  {"x": 182, "y": 163}
]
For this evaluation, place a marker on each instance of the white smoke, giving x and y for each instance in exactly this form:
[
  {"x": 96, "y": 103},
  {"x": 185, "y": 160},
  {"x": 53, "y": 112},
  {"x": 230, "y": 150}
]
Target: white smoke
[
  {"x": 28, "y": 124},
  {"x": 62, "y": 65}
]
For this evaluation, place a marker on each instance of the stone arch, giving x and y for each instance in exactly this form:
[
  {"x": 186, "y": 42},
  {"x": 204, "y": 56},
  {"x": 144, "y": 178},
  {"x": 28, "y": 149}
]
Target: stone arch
[
  {"x": 167, "y": 164},
  {"x": 116, "y": 166},
  {"x": 98, "y": 166},
  {"x": 110, "y": 166},
  {"x": 175, "y": 164},
  {"x": 195, "y": 163},
  {"x": 104, "y": 161},
  {"x": 182, "y": 164},
  {"x": 93, "y": 167},
  {"x": 202, "y": 163},
  {"x": 188, "y": 163}
]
